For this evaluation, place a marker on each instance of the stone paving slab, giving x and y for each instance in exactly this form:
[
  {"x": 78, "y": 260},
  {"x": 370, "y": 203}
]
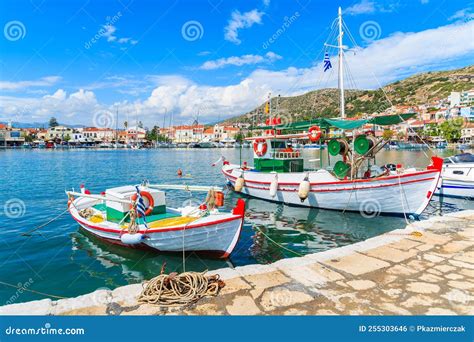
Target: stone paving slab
[{"x": 394, "y": 273}]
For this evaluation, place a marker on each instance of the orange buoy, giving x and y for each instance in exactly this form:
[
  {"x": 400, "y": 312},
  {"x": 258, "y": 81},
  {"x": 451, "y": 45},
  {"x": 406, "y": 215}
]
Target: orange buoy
[{"x": 219, "y": 198}]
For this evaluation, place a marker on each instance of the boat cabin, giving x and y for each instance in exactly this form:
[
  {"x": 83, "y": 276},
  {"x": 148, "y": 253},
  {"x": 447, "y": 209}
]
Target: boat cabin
[
  {"x": 276, "y": 154},
  {"x": 117, "y": 211}
]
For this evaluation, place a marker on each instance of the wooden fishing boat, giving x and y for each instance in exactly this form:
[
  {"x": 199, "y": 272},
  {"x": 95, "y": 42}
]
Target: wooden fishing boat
[
  {"x": 117, "y": 217},
  {"x": 354, "y": 183}
]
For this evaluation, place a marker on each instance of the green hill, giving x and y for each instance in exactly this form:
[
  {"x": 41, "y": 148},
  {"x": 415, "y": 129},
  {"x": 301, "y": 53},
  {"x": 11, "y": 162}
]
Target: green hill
[{"x": 415, "y": 90}]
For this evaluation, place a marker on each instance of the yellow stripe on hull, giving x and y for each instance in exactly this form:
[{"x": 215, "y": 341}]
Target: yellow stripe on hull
[{"x": 172, "y": 221}]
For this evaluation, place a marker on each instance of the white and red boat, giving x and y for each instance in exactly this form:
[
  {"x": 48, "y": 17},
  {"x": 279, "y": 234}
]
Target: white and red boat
[
  {"x": 354, "y": 182},
  {"x": 399, "y": 192},
  {"x": 113, "y": 216}
]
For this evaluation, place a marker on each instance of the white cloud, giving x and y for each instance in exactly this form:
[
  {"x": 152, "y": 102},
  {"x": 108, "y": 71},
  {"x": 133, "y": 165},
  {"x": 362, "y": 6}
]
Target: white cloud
[
  {"x": 389, "y": 59},
  {"x": 370, "y": 7},
  {"x": 463, "y": 14},
  {"x": 266, "y": 3},
  {"x": 240, "y": 21},
  {"x": 240, "y": 60},
  {"x": 109, "y": 33},
  {"x": 42, "y": 82},
  {"x": 363, "y": 7}
]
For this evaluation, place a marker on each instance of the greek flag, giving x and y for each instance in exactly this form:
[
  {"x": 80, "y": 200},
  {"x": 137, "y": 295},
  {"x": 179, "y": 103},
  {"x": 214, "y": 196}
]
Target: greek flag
[
  {"x": 140, "y": 206},
  {"x": 327, "y": 62}
]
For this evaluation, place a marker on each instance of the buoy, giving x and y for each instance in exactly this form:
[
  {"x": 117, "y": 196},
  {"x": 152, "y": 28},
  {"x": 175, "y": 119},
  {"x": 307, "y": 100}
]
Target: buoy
[
  {"x": 219, "y": 198},
  {"x": 304, "y": 187},
  {"x": 239, "y": 183},
  {"x": 274, "y": 186},
  {"x": 180, "y": 172},
  {"x": 131, "y": 239}
]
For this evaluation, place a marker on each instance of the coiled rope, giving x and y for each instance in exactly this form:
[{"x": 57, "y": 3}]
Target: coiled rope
[{"x": 180, "y": 289}]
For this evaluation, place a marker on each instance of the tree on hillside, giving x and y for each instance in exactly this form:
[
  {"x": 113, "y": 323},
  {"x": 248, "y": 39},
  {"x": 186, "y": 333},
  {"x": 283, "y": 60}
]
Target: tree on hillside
[
  {"x": 451, "y": 129},
  {"x": 239, "y": 137},
  {"x": 53, "y": 122},
  {"x": 431, "y": 130}
]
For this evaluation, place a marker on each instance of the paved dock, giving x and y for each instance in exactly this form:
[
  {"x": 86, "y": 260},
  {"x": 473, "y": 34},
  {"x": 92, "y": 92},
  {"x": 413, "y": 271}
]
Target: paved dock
[{"x": 397, "y": 273}]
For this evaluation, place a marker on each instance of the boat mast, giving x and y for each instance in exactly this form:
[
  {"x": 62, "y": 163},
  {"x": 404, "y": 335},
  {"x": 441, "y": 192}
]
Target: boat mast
[{"x": 341, "y": 73}]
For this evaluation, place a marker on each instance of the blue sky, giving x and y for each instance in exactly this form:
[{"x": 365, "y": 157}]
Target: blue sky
[{"x": 81, "y": 60}]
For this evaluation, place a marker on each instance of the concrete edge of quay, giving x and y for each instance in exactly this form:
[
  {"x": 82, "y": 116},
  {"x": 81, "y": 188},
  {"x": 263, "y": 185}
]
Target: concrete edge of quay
[{"x": 394, "y": 273}]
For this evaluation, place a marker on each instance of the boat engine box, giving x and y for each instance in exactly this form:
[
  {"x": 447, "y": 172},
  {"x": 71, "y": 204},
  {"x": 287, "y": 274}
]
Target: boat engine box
[{"x": 116, "y": 211}]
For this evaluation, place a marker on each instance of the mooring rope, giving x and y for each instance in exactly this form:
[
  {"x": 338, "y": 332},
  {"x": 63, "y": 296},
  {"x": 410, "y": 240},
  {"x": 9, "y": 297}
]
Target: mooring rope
[
  {"x": 45, "y": 224},
  {"x": 278, "y": 244},
  {"x": 180, "y": 289}
]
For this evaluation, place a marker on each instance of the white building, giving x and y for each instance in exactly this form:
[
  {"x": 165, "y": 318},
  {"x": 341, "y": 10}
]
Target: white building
[
  {"x": 59, "y": 132},
  {"x": 462, "y": 98},
  {"x": 98, "y": 134}
]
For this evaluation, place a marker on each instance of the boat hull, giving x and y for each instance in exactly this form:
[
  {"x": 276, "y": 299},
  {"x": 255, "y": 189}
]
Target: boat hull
[
  {"x": 407, "y": 194},
  {"x": 457, "y": 181}
]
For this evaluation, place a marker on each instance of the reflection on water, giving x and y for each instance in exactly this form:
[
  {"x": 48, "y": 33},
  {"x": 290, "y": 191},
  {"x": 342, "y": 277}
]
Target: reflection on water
[{"x": 66, "y": 261}]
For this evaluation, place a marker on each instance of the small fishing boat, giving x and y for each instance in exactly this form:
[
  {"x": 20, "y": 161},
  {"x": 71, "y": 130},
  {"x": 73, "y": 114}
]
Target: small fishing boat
[
  {"x": 138, "y": 217},
  {"x": 354, "y": 182},
  {"x": 457, "y": 178}
]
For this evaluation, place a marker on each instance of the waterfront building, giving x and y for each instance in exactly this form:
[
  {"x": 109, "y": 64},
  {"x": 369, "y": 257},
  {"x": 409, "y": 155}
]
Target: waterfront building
[
  {"x": 10, "y": 137},
  {"x": 95, "y": 134},
  {"x": 467, "y": 133},
  {"x": 59, "y": 133}
]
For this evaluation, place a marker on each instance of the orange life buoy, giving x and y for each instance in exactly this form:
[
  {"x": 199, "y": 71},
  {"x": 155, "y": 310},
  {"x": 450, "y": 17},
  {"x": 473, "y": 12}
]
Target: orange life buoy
[
  {"x": 314, "y": 133},
  {"x": 149, "y": 197},
  {"x": 260, "y": 151}
]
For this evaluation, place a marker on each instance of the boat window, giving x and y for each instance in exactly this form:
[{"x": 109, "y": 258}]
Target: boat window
[
  {"x": 278, "y": 144},
  {"x": 458, "y": 172},
  {"x": 460, "y": 158}
]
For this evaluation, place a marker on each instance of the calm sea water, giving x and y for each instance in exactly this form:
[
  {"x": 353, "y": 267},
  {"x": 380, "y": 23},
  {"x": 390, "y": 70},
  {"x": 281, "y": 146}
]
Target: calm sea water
[{"x": 61, "y": 259}]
